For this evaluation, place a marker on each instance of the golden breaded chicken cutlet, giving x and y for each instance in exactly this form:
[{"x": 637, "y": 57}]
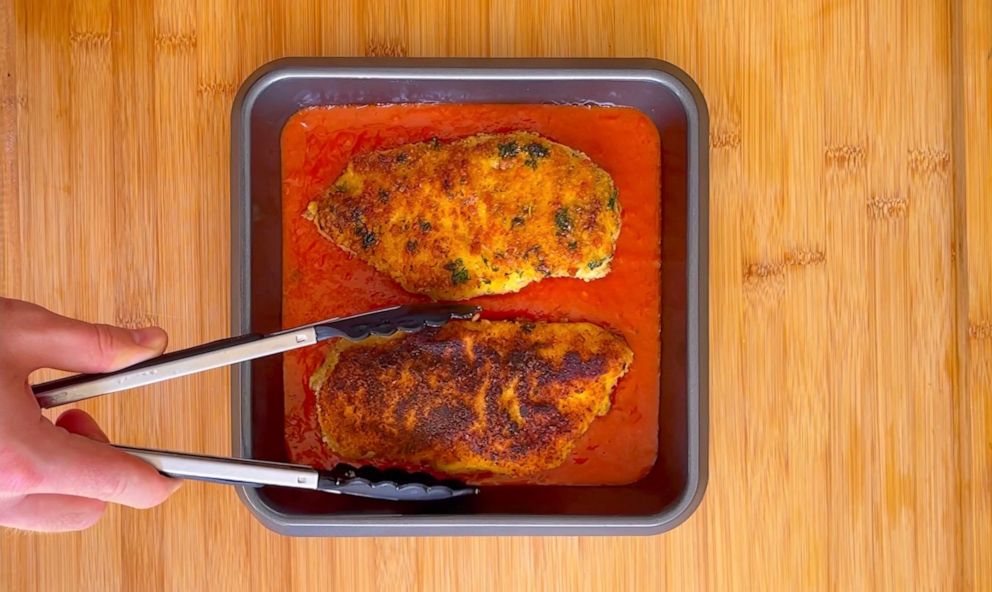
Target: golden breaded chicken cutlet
[
  {"x": 505, "y": 398},
  {"x": 486, "y": 214}
]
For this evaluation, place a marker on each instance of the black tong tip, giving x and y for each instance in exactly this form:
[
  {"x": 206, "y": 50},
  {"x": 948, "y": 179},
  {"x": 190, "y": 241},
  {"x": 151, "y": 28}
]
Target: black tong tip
[{"x": 393, "y": 485}]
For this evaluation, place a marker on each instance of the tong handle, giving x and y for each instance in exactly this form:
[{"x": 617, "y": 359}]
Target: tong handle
[
  {"x": 214, "y": 354},
  {"x": 229, "y": 471}
]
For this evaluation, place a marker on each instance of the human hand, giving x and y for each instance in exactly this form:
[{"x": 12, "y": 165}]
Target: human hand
[{"x": 59, "y": 477}]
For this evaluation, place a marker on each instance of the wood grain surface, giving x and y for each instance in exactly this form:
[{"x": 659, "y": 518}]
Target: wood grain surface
[{"x": 851, "y": 280}]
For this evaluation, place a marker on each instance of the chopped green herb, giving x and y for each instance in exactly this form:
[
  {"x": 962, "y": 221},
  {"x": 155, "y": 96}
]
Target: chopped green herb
[
  {"x": 425, "y": 226},
  {"x": 508, "y": 150},
  {"x": 402, "y": 157},
  {"x": 368, "y": 240},
  {"x": 536, "y": 150},
  {"x": 596, "y": 263},
  {"x": 459, "y": 275},
  {"x": 486, "y": 281},
  {"x": 612, "y": 202},
  {"x": 384, "y": 195},
  {"x": 411, "y": 246},
  {"x": 573, "y": 246},
  {"x": 563, "y": 220},
  {"x": 367, "y": 236},
  {"x": 517, "y": 221},
  {"x": 434, "y": 143},
  {"x": 527, "y": 327}
]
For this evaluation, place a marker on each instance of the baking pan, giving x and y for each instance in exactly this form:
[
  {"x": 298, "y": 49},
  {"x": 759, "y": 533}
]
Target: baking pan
[{"x": 674, "y": 487}]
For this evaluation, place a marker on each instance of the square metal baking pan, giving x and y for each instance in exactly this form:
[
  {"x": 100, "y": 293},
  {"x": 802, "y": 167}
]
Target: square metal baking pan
[{"x": 674, "y": 487}]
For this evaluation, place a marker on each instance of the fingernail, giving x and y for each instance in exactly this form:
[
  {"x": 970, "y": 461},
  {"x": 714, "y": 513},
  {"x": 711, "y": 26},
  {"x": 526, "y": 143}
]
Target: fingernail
[{"x": 149, "y": 337}]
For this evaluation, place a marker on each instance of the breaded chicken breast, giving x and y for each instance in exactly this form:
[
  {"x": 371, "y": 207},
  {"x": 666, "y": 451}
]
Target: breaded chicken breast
[
  {"x": 487, "y": 214},
  {"x": 503, "y": 397}
]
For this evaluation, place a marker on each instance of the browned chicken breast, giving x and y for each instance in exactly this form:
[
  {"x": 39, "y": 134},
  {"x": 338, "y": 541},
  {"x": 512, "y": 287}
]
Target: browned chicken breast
[
  {"x": 503, "y": 397},
  {"x": 487, "y": 214}
]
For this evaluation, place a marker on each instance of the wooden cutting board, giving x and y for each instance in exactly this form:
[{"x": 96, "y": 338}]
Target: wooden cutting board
[{"x": 851, "y": 280}]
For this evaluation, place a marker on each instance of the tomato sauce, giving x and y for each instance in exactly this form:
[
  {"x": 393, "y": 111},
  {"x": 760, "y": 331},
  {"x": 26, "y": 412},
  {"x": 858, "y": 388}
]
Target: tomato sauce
[{"x": 320, "y": 280}]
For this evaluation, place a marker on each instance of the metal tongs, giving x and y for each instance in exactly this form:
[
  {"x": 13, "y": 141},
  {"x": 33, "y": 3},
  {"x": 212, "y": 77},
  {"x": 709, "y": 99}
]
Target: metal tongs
[{"x": 343, "y": 479}]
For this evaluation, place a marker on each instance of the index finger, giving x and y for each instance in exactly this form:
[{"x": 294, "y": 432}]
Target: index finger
[{"x": 76, "y": 465}]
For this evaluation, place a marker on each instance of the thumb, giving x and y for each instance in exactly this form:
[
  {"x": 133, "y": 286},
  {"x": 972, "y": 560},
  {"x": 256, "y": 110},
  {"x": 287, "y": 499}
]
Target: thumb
[{"x": 34, "y": 338}]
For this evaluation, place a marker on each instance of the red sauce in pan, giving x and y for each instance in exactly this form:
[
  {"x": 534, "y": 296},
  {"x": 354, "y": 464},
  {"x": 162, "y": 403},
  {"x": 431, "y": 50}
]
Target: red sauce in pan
[{"x": 320, "y": 280}]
